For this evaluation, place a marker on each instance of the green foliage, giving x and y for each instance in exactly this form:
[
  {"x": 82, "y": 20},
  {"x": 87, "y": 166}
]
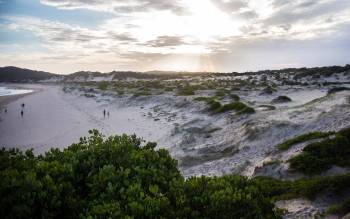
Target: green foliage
[
  {"x": 101, "y": 178},
  {"x": 186, "y": 91},
  {"x": 235, "y": 97},
  {"x": 302, "y": 138},
  {"x": 268, "y": 107},
  {"x": 220, "y": 93},
  {"x": 216, "y": 107},
  {"x": 320, "y": 156},
  {"x": 103, "y": 85},
  {"x": 116, "y": 177},
  {"x": 226, "y": 197},
  {"x": 239, "y": 107},
  {"x": 340, "y": 209},
  {"x": 307, "y": 188},
  {"x": 212, "y": 103}
]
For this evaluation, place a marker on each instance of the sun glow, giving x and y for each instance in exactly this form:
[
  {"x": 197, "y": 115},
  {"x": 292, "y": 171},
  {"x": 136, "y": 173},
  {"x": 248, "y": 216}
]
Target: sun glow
[{"x": 207, "y": 22}]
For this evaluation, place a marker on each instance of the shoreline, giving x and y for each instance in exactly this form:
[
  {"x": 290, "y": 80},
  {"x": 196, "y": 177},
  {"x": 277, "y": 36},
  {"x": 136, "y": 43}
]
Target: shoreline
[{"x": 5, "y": 100}]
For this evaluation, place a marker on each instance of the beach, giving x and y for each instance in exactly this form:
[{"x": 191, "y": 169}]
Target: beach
[{"x": 53, "y": 118}]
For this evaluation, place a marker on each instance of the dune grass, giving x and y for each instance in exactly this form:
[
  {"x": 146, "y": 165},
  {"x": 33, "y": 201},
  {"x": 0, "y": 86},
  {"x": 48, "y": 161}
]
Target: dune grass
[
  {"x": 302, "y": 138},
  {"x": 320, "y": 156},
  {"x": 239, "y": 107}
]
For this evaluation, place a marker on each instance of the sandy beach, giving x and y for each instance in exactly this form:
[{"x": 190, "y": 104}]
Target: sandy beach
[{"x": 53, "y": 118}]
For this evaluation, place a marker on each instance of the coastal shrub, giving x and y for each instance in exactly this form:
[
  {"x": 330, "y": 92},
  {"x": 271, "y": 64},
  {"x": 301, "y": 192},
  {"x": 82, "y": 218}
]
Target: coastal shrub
[
  {"x": 119, "y": 177},
  {"x": 281, "y": 99},
  {"x": 320, "y": 156},
  {"x": 103, "y": 85},
  {"x": 235, "y": 97},
  {"x": 220, "y": 93},
  {"x": 239, "y": 107},
  {"x": 186, "y": 91},
  {"x": 340, "y": 209},
  {"x": 212, "y": 103},
  {"x": 268, "y": 107},
  {"x": 302, "y": 138}
]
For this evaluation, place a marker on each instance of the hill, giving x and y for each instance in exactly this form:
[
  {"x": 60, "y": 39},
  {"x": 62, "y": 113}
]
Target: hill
[{"x": 15, "y": 74}]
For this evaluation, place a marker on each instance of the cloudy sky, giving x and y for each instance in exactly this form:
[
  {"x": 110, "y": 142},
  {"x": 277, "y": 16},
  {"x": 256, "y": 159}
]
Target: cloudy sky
[{"x": 65, "y": 36}]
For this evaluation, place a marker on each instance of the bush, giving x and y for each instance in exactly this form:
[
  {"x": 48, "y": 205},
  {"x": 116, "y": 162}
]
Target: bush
[
  {"x": 302, "y": 138},
  {"x": 213, "y": 104},
  {"x": 186, "y": 91},
  {"x": 220, "y": 93},
  {"x": 340, "y": 209},
  {"x": 320, "y": 156},
  {"x": 240, "y": 107},
  {"x": 235, "y": 97},
  {"x": 281, "y": 99},
  {"x": 116, "y": 177}
]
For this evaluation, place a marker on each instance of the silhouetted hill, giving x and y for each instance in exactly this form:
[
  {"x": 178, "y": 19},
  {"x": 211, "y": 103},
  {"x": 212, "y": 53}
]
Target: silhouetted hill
[{"x": 14, "y": 74}]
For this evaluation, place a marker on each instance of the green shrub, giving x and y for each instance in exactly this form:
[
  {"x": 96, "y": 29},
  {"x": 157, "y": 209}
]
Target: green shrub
[
  {"x": 186, "y": 91},
  {"x": 239, "y": 107},
  {"x": 340, "y": 209},
  {"x": 212, "y": 103},
  {"x": 320, "y": 156},
  {"x": 103, "y": 85},
  {"x": 116, "y": 177},
  {"x": 220, "y": 93},
  {"x": 235, "y": 97},
  {"x": 302, "y": 138},
  {"x": 268, "y": 107}
]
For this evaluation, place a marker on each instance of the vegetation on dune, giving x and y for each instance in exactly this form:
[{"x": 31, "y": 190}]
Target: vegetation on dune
[
  {"x": 103, "y": 85},
  {"x": 239, "y": 107},
  {"x": 281, "y": 99},
  {"x": 268, "y": 107},
  {"x": 117, "y": 177},
  {"x": 212, "y": 103},
  {"x": 235, "y": 97},
  {"x": 302, "y": 138},
  {"x": 320, "y": 156},
  {"x": 340, "y": 209},
  {"x": 216, "y": 106},
  {"x": 186, "y": 91},
  {"x": 220, "y": 93}
]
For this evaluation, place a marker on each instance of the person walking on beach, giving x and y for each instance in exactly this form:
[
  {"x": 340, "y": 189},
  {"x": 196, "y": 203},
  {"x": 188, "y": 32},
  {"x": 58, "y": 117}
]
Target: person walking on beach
[
  {"x": 5, "y": 110},
  {"x": 22, "y": 105},
  {"x": 108, "y": 114},
  {"x": 22, "y": 113},
  {"x": 104, "y": 113}
]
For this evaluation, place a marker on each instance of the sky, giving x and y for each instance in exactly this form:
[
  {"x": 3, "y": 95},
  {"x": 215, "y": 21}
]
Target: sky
[{"x": 65, "y": 36}]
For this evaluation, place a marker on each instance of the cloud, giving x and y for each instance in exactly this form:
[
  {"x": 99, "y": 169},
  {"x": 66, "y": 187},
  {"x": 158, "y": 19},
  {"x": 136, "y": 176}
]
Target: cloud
[
  {"x": 146, "y": 33},
  {"x": 164, "y": 41},
  {"x": 118, "y": 6}
]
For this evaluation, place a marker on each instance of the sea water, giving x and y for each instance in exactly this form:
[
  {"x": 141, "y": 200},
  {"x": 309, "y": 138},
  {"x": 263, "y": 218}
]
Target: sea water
[{"x": 4, "y": 91}]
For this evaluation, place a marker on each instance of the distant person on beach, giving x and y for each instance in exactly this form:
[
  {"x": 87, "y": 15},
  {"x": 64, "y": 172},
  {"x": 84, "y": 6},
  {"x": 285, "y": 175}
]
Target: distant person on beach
[
  {"x": 104, "y": 113},
  {"x": 22, "y": 105},
  {"x": 21, "y": 113},
  {"x": 108, "y": 114},
  {"x": 5, "y": 110}
]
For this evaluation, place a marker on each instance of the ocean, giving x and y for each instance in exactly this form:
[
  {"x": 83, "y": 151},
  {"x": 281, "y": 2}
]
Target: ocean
[{"x": 4, "y": 91}]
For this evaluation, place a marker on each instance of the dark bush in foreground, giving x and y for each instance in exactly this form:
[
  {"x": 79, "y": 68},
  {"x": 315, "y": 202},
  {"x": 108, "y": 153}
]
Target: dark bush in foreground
[{"x": 117, "y": 178}]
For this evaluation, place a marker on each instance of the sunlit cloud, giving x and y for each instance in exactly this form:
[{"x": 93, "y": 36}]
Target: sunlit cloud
[{"x": 197, "y": 35}]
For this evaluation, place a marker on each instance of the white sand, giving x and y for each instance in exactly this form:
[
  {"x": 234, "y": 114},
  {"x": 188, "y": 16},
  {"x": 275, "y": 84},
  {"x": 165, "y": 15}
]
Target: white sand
[{"x": 53, "y": 118}]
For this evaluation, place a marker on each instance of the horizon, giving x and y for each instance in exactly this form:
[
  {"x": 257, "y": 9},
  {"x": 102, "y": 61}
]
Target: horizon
[
  {"x": 177, "y": 72},
  {"x": 67, "y": 36}
]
